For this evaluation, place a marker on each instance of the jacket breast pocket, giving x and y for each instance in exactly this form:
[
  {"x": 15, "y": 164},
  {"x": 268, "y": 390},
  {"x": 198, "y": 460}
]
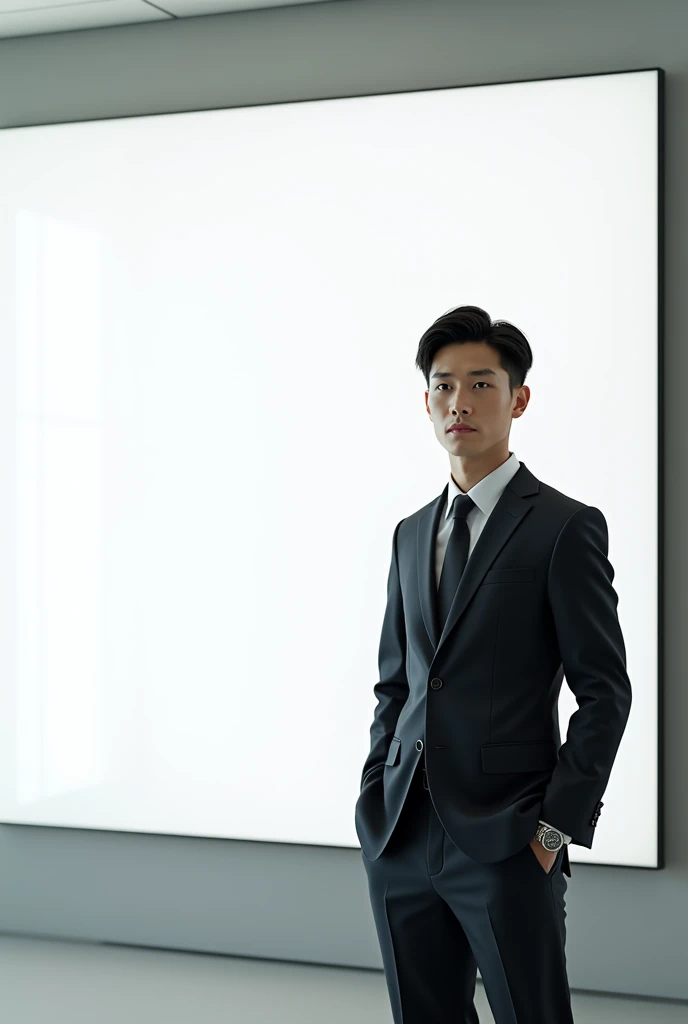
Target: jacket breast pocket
[
  {"x": 393, "y": 753},
  {"x": 525, "y": 574},
  {"x": 518, "y": 757}
]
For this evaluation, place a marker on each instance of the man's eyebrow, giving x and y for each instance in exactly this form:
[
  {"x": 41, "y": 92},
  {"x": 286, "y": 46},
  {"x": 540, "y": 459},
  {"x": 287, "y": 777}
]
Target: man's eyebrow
[{"x": 471, "y": 373}]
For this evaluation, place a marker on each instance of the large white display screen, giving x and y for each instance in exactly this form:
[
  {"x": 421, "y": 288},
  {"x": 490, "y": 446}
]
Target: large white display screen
[{"x": 211, "y": 423}]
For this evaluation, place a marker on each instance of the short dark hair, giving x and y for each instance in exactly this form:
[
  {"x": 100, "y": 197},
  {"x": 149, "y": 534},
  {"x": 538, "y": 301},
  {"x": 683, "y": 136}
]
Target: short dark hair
[{"x": 471, "y": 323}]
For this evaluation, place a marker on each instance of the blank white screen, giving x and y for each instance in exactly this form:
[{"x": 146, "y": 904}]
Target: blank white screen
[{"x": 211, "y": 424}]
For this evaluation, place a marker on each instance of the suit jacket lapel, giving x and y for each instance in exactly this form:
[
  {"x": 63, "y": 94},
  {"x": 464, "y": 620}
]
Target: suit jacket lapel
[{"x": 507, "y": 514}]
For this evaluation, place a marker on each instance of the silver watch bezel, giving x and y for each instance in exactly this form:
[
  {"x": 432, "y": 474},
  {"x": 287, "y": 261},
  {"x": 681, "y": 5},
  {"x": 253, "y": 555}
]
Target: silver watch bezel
[{"x": 544, "y": 831}]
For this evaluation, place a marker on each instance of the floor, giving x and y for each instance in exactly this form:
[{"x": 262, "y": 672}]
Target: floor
[{"x": 45, "y": 980}]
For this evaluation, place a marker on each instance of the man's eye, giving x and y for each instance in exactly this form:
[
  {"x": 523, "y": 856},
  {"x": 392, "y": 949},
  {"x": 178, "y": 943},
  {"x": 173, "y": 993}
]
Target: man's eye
[{"x": 445, "y": 385}]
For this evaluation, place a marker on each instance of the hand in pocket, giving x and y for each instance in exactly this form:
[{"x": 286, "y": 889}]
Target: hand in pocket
[{"x": 546, "y": 857}]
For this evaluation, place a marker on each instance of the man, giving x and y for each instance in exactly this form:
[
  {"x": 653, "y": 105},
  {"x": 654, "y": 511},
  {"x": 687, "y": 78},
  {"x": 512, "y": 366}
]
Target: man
[{"x": 497, "y": 589}]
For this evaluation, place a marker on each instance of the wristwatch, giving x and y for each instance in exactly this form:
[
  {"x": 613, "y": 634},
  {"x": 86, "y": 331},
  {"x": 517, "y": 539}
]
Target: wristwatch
[{"x": 551, "y": 838}]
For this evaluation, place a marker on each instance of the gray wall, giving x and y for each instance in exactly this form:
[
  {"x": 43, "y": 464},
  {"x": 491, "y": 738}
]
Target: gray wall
[{"x": 627, "y": 928}]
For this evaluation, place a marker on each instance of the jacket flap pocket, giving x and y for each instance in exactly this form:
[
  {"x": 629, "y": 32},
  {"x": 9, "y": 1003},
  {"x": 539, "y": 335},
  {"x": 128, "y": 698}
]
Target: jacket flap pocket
[
  {"x": 393, "y": 754},
  {"x": 518, "y": 757},
  {"x": 523, "y": 575}
]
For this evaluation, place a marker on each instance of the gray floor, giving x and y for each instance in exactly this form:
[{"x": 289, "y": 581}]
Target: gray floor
[{"x": 44, "y": 980}]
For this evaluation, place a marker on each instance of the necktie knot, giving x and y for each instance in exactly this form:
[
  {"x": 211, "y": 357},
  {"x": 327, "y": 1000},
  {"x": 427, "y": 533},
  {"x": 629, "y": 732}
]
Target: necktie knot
[{"x": 461, "y": 506}]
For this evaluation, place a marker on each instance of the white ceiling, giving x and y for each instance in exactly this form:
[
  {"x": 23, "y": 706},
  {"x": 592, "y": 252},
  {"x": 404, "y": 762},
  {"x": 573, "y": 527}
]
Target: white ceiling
[{"x": 33, "y": 17}]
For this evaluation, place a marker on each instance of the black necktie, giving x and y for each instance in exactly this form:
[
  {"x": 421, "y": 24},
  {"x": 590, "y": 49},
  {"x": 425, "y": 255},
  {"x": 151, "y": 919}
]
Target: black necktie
[{"x": 455, "y": 557}]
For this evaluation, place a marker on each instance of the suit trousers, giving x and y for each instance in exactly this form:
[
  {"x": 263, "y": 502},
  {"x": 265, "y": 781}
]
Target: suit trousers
[{"x": 440, "y": 915}]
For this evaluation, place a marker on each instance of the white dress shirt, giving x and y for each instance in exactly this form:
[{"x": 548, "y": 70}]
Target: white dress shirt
[{"x": 485, "y": 494}]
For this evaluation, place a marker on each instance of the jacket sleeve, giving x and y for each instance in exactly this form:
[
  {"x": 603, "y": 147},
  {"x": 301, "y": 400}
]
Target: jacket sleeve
[
  {"x": 583, "y": 603},
  {"x": 392, "y": 689}
]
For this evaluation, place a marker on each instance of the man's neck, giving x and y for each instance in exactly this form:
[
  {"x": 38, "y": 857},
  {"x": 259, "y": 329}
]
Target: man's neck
[{"x": 466, "y": 473}]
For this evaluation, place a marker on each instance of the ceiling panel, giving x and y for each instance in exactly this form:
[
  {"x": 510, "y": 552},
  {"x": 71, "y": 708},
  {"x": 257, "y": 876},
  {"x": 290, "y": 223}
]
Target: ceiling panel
[
  {"x": 26, "y": 6},
  {"x": 35, "y": 17},
  {"x": 194, "y": 7},
  {"x": 22, "y": 18}
]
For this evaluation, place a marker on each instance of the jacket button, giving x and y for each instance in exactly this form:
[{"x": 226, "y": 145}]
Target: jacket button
[
  {"x": 419, "y": 744},
  {"x": 436, "y": 684}
]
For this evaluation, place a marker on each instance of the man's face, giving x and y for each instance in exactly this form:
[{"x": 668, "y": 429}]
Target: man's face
[{"x": 468, "y": 385}]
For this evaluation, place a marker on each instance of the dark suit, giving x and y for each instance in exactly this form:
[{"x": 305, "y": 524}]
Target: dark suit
[{"x": 476, "y": 708}]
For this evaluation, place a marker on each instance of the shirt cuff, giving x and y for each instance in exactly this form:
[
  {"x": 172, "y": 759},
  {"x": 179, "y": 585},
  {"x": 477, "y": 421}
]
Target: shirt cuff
[{"x": 567, "y": 839}]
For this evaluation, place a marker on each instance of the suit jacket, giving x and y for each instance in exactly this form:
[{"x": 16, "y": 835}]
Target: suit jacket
[{"x": 480, "y": 701}]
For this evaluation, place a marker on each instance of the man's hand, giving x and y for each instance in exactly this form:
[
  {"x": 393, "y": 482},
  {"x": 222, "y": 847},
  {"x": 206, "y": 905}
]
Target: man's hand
[{"x": 546, "y": 857}]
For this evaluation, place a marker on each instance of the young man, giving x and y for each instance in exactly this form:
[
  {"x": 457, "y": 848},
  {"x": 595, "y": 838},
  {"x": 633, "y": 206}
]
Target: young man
[{"x": 497, "y": 589}]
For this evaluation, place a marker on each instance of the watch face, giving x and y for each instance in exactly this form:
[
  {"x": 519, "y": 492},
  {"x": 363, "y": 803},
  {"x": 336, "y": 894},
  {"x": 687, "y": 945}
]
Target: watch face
[{"x": 551, "y": 841}]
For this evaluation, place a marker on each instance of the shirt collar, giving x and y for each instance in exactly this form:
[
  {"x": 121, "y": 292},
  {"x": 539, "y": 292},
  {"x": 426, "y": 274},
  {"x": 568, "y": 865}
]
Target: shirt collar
[{"x": 487, "y": 492}]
